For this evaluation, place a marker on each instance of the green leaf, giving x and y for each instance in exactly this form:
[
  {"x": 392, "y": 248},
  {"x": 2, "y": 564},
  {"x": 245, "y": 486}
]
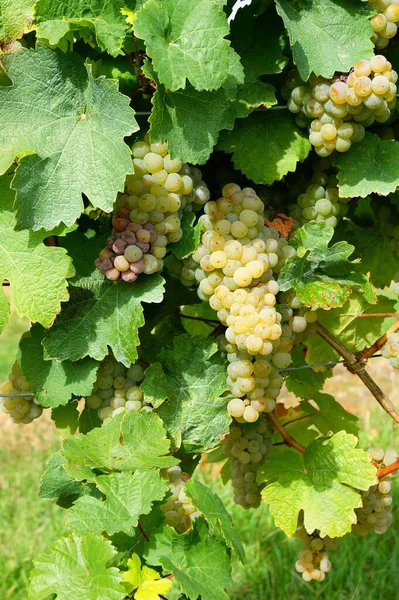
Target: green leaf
[
  {"x": 36, "y": 272},
  {"x": 89, "y": 420},
  {"x": 187, "y": 386},
  {"x": 346, "y": 324},
  {"x": 148, "y": 581},
  {"x": 190, "y": 239},
  {"x": 53, "y": 382},
  {"x": 127, "y": 497},
  {"x": 55, "y": 20},
  {"x": 4, "y": 309},
  {"x": 253, "y": 95},
  {"x": 76, "y": 569},
  {"x": 199, "y": 562},
  {"x": 323, "y": 483},
  {"x": 327, "y": 36},
  {"x": 332, "y": 417},
  {"x": 185, "y": 40},
  {"x": 56, "y": 484},
  {"x": 69, "y": 133},
  {"x": 15, "y": 19},
  {"x": 102, "y": 315},
  {"x": 214, "y": 511},
  {"x": 66, "y": 418},
  {"x": 371, "y": 166},
  {"x": 126, "y": 442},
  {"x": 266, "y": 145},
  {"x": 321, "y": 275},
  {"x": 201, "y": 311},
  {"x": 305, "y": 382}
]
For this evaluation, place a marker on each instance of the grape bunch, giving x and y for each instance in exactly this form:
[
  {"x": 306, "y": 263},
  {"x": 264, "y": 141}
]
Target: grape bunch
[
  {"x": 376, "y": 512},
  {"x": 178, "y": 509},
  {"x": 247, "y": 446},
  {"x": 117, "y": 389},
  {"x": 234, "y": 267},
  {"x": 384, "y": 22},
  {"x": 148, "y": 215},
  {"x": 313, "y": 562},
  {"x": 319, "y": 202},
  {"x": 337, "y": 110},
  {"x": 22, "y": 409},
  {"x": 391, "y": 350}
]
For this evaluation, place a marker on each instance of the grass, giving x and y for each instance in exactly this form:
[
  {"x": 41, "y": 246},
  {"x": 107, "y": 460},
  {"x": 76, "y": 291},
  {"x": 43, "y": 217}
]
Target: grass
[{"x": 363, "y": 568}]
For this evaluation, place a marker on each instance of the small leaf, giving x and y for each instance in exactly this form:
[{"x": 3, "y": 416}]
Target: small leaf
[
  {"x": 214, "y": 511},
  {"x": 126, "y": 442},
  {"x": 327, "y": 36},
  {"x": 323, "y": 482},
  {"x": 321, "y": 275},
  {"x": 56, "y": 484},
  {"x": 185, "y": 40},
  {"x": 148, "y": 581},
  {"x": 369, "y": 167},
  {"x": 187, "y": 386},
  {"x": 76, "y": 569},
  {"x": 266, "y": 145},
  {"x": 190, "y": 239},
  {"x": 66, "y": 418}
]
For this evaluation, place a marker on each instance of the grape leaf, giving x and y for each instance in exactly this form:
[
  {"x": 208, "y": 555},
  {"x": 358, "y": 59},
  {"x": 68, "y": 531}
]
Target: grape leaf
[
  {"x": 55, "y": 20},
  {"x": 53, "y": 382},
  {"x": 371, "y": 166},
  {"x": 127, "y": 497},
  {"x": 214, "y": 511},
  {"x": 15, "y": 19},
  {"x": 344, "y": 323},
  {"x": 321, "y": 275},
  {"x": 198, "y": 561},
  {"x": 191, "y": 236},
  {"x": 126, "y": 442},
  {"x": 36, "y": 272},
  {"x": 148, "y": 581},
  {"x": 323, "y": 483},
  {"x": 102, "y": 315},
  {"x": 186, "y": 386},
  {"x": 331, "y": 416},
  {"x": 260, "y": 54},
  {"x": 4, "y": 309},
  {"x": 328, "y": 35},
  {"x": 265, "y": 145},
  {"x": 255, "y": 94},
  {"x": 66, "y": 418},
  {"x": 305, "y": 382},
  {"x": 56, "y": 484},
  {"x": 185, "y": 40},
  {"x": 69, "y": 128},
  {"x": 76, "y": 569}
]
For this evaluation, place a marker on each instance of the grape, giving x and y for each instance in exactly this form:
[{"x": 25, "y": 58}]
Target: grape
[
  {"x": 21, "y": 408},
  {"x": 376, "y": 512},
  {"x": 116, "y": 389},
  {"x": 246, "y": 447},
  {"x": 313, "y": 562},
  {"x": 178, "y": 510},
  {"x": 384, "y": 22},
  {"x": 148, "y": 215},
  {"x": 391, "y": 350},
  {"x": 337, "y": 119}
]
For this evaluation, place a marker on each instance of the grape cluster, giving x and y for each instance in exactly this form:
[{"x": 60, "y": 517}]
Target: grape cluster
[
  {"x": 337, "y": 110},
  {"x": 234, "y": 267},
  {"x": 247, "y": 446},
  {"x": 376, "y": 512},
  {"x": 178, "y": 509},
  {"x": 384, "y": 22},
  {"x": 391, "y": 350},
  {"x": 22, "y": 409},
  {"x": 313, "y": 562},
  {"x": 319, "y": 202},
  {"x": 116, "y": 389},
  {"x": 148, "y": 216}
]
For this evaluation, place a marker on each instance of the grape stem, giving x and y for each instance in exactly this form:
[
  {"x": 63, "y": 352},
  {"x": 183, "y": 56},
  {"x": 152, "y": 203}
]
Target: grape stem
[
  {"x": 389, "y": 469},
  {"x": 143, "y": 533},
  {"x": 357, "y": 364},
  {"x": 366, "y": 316},
  {"x": 369, "y": 352},
  {"x": 288, "y": 439}
]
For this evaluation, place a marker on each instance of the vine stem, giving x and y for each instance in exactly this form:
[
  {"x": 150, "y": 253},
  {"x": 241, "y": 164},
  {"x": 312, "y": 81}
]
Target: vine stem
[
  {"x": 388, "y": 314},
  {"x": 289, "y": 440},
  {"x": 356, "y": 364},
  {"x": 387, "y": 470},
  {"x": 143, "y": 533},
  {"x": 369, "y": 352}
]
